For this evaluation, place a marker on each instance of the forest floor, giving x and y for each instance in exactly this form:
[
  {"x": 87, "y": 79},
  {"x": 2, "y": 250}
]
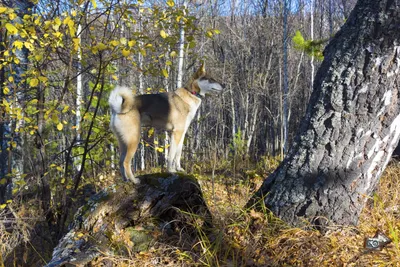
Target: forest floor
[{"x": 251, "y": 238}]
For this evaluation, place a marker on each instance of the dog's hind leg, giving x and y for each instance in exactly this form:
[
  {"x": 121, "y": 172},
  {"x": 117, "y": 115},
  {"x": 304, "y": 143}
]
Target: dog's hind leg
[{"x": 128, "y": 148}]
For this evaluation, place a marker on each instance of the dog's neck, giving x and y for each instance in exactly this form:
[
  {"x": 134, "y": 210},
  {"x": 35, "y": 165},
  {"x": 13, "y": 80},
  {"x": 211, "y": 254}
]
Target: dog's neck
[
  {"x": 193, "y": 92},
  {"x": 197, "y": 94}
]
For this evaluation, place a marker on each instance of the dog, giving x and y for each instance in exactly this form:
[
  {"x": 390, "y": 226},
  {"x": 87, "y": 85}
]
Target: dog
[{"x": 171, "y": 111}]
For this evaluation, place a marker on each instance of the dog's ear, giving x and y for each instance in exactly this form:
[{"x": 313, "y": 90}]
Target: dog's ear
[{"x": 200, "y": 72}]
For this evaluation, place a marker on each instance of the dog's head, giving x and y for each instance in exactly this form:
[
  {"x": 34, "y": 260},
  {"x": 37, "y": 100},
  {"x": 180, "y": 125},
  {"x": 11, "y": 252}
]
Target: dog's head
[{"x": 202, "y": 83}]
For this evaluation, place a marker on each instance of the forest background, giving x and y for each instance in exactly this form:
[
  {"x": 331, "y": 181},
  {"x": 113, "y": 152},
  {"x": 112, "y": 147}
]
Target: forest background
[{"x": 60, "y": 59}]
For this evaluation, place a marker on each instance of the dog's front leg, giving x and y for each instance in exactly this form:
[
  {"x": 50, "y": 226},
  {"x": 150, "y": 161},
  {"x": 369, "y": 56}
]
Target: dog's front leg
[
  {"x": 175, "y": 140},
  {"x": 178, "y": 154}
]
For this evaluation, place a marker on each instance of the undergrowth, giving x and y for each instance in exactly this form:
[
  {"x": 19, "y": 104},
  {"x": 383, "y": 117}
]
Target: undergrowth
[{"x": 252, "y": 238}]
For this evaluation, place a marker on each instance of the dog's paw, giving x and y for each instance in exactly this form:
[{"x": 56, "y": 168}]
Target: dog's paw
[{"x": 135, "y": 180}]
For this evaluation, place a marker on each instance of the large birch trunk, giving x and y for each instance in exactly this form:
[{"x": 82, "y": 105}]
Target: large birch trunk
[{"x": 351, "y": 127}]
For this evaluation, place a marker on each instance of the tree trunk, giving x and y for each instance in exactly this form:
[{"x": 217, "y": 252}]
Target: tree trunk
[
  {"x": 285, "y": 77},
  {"x": 351, "y": 127},
  {"x": 181, "y": 51}
]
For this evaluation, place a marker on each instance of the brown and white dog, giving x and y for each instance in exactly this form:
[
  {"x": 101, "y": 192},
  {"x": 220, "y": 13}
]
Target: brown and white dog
[{"x": 172, "y": 111}]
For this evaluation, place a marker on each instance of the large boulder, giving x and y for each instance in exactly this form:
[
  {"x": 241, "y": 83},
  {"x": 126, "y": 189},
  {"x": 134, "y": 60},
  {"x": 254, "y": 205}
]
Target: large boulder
[{"x": 132, "y": 217}]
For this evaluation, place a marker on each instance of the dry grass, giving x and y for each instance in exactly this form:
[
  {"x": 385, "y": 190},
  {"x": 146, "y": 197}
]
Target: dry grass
[{"x": 250, "y": 238}]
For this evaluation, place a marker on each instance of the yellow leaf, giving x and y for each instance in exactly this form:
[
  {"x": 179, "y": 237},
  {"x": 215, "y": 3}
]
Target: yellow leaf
[
  {"x": 114, "y": 42},
  {"x": 94, "y": 3},
  {"x": 38, "y": 57},
  {"x": 43, "y": 79},
  {"x": 101, "y": 46},
  {"x": 66, "y": 20},
  {"x": 155, "y": 142},
  {"x": 3, "y": 9},
  {"x": 33, "y": 82},
  {"x": 163, "y": 34},
  {"x": 160, "y": 149},
  {"x": 115, "y": 77},
  {"x": 29, "y": 46},
  {"x": 165, "y": 73},
  {"x": 13, "y": 144},
  {"x": 11, "y": 28},
  {"x": 11, "y": 79},
  {"x": 57, "y": 21},
  {"x": 57, "y": 34},
  {"x": 126, "y": 52},
  {"x": 65, "y": 109},
  {"x": 150, "y": 132},
  {"x": 170, "y": 3},
  {"x": 3, "y": 181},
  {"x": 76, "y": 42},
  {"x": 12, "y": 16},
  {"x": 2, "y": 206},
  {"x": 131, "y": 43},
  {"x": 62, "y": 180},
  {"x": 71, "y": 27},
  {"x": 173, "y": 54},
  {"x": 18, "y": 44},
  {"x": 60, "y": 126},
  {"x": 123, "y": 41}
]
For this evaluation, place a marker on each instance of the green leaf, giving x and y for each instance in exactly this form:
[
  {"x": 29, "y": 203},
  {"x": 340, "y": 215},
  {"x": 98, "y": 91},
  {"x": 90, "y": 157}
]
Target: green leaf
[
  {"x": 54, "y": 118},
  {"x": 298, "y": 40}
]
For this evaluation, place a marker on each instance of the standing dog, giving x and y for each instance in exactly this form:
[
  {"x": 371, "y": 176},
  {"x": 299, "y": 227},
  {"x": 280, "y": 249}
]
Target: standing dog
[{"x": 172, "y": 111}]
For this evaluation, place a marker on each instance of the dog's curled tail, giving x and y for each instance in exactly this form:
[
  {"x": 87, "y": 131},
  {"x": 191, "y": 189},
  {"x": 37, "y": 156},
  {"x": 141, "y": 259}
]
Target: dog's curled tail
[{"x": 121, "y": 100}]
